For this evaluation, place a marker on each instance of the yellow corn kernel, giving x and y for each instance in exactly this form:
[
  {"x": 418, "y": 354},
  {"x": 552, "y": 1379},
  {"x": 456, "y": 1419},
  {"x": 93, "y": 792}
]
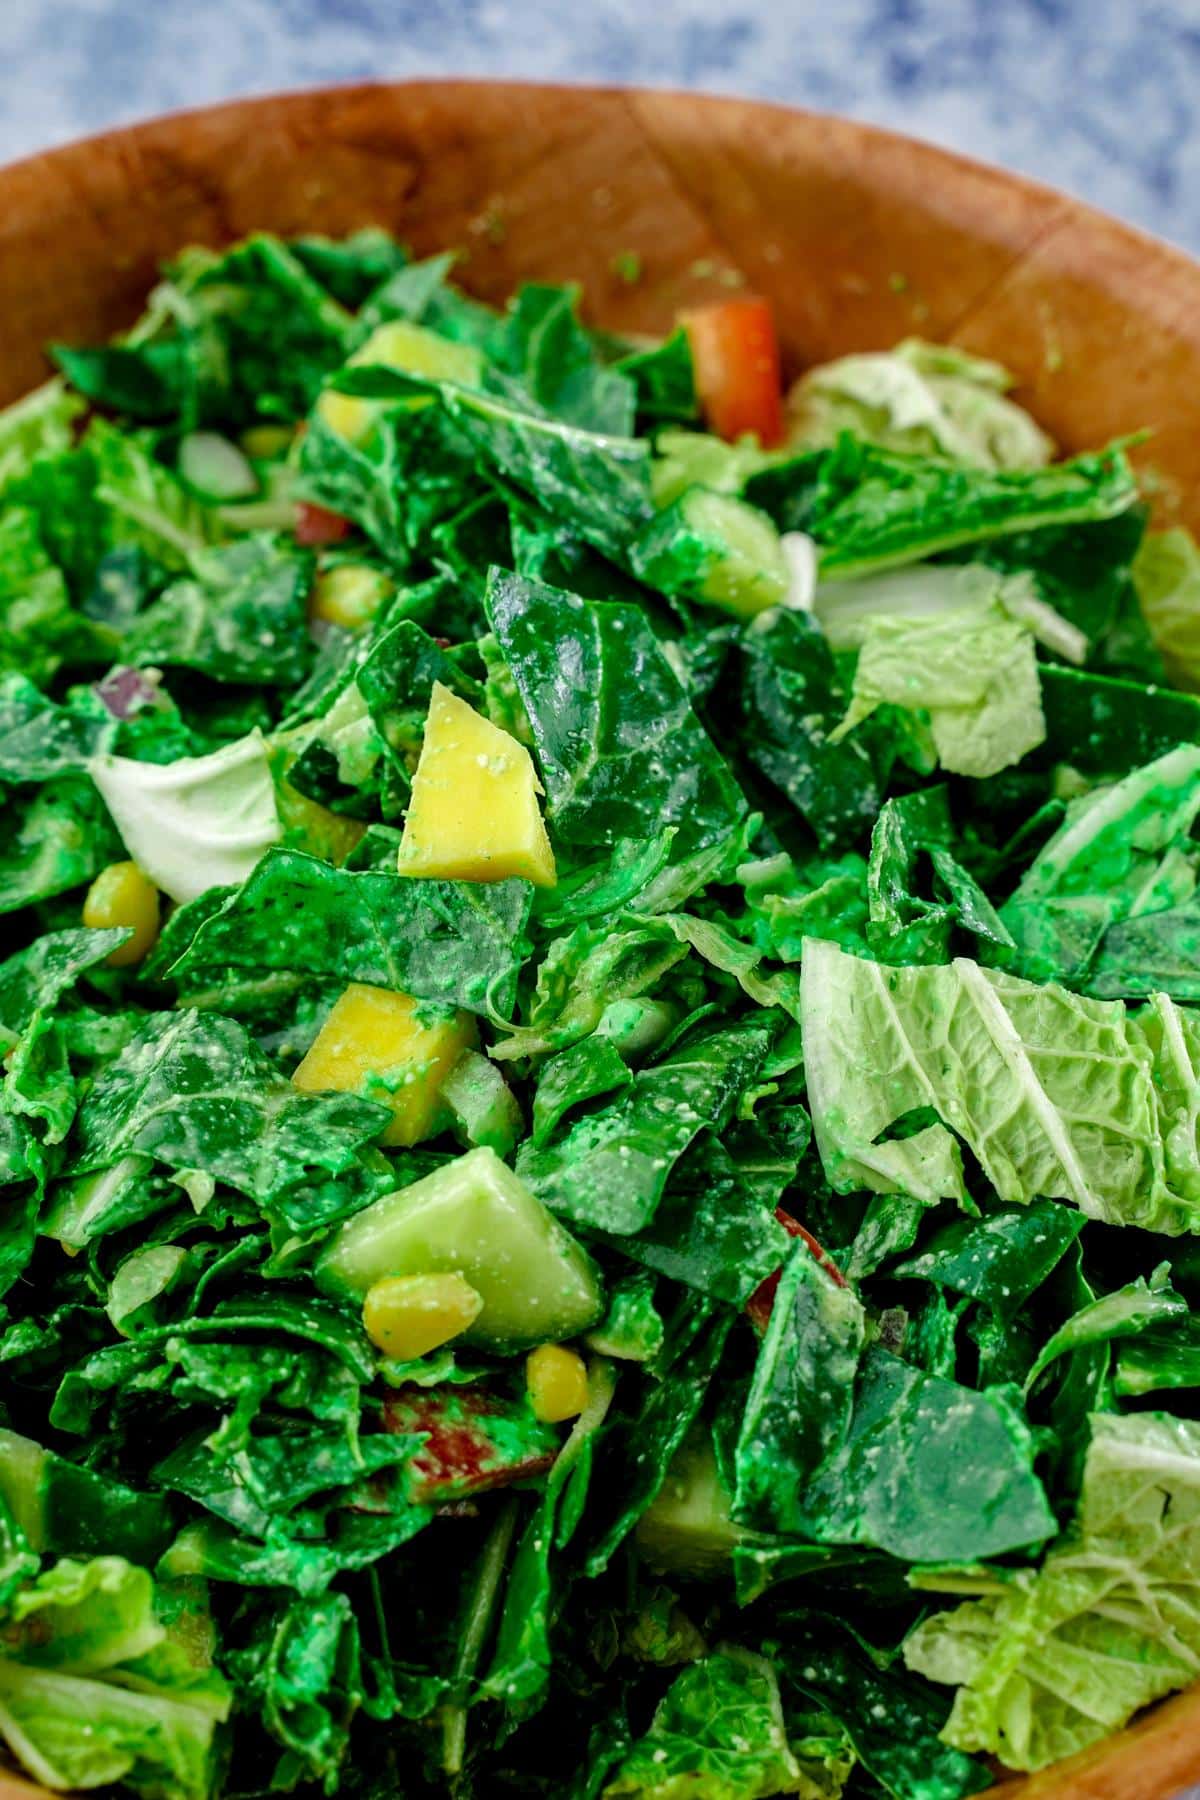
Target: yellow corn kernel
[
  {"x": 122, "y": 895},
  {"x": 474, "y": 813},
  {"x": 265, "y": 442},
  {"x": 380, "y": 1044},
  {"x": 407, "y": 1316},
  {"x": 557, "y": 1382},
  {"x": 349, "y": 595},
  {"x": 415, "y": 351}
]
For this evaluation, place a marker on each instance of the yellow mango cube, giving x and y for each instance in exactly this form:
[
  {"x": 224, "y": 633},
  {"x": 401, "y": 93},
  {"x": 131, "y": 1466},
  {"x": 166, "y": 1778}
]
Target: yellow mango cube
[
  {"x": 415, "y": 351},
  {"x": 474, "y": 813},
  {"x": 391, "y": 1048}
]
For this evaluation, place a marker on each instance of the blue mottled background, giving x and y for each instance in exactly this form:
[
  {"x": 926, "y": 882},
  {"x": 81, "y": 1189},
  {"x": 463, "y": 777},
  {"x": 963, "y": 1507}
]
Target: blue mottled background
[{"x": 1100, "y": 97}]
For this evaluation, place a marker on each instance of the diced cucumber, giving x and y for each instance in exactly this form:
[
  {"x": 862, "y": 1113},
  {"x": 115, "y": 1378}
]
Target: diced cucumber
[
  {"x": 216, "y": 468},
  {"x": 484, "y": 1106},
  {"x": 686, "y": 459},
  {"x": 689, "y": 1530},
  {"x": 474, "y": 1215},
  {"x": 714, "y": 547}
]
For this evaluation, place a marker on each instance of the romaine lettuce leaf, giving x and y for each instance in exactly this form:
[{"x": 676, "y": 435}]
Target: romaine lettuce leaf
[
  {"x": 1122, "y": 852},
  {"x": 83, "y": 1642},
  {"x": 1166, "y": 574},
  {"x": 198, "y": 822},
  {"x": 930, "y": 398},
  {"x": 974, "y": 673},
  {"x": 1054, "y": 1094},
  {"x": 718, "y": 1734},
  {"x": 41, "y": 424},
  {"x": 1048, "y": 1661}
]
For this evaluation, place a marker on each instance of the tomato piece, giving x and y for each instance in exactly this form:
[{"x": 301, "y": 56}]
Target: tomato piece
[
  {"x": 317, "y": 525},
  {"x": 758, "y": 1306},
  {"x": 475, "y": 1441},
  {"x": 735, "y": 355}
]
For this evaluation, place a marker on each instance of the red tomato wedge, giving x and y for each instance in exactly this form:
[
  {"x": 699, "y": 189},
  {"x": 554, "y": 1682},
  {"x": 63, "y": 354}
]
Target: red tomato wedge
[
  {"x": 735, "y": 354},
  {"x": 758, "y": 1306},
  {"x": 474, "y": 1441},
  {"x": 317, "y": 525}
]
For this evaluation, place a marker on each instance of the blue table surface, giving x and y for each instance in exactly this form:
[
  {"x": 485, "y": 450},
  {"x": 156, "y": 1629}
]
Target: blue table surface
[{"x": 1098, "y": 97}]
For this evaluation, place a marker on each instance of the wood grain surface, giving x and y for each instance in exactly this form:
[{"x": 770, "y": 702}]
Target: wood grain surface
[{"x": 858, "y": 236}]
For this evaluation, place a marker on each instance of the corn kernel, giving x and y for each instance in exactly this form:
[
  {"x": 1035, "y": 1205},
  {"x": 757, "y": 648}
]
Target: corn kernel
[
  {"x": 122, "y": 895},
  {"x": 406, "y": 1316},
  {"x": 265, "y": 442},
  {"x": 349, "y": 595},
  {"x": 557, "y": 1382}
]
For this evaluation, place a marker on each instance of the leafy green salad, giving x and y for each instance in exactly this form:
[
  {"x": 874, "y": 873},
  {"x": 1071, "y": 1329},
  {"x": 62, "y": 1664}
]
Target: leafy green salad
[{"x": 599, "y": 1177}]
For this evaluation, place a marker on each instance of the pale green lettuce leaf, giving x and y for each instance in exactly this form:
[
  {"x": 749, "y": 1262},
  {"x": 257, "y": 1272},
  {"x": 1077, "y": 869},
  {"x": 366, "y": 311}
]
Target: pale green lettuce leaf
[
  {"x": 40, "y": 424},
  {"x": 974, "y": 672},
  {"x": 1166, "y": 574},
  {"x": 930, "y": 398},
  {"x": 196, "y": 823},
  {"x": 1055, "y": 1094},
  {"x": 1050, "y": 1661},
  {"x": 718, "y": 1734},
  {"x": 1122, "y": 851},
  {"x": 846, "y": 609},
  {"x": 85, "y": 1642}
]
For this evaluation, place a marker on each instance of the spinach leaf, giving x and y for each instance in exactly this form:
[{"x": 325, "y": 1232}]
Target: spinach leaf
[
  {"x": 898, "y": 1482},
  {"x": 609, "y": 1169},
  {"x": 874, "y": 508},
  {"x": 194, "y": 1091},
  {"x": 1000, "y": 1259},
  {"x": 62, "y": 836},
  {"x": 240, "y": 616},
  {"x": 37, "y": 977},
  {"x": 799, "y": 1406},
  {"x": 456, "y": 942},
  {"x": 610, "y": 771},
  {"x": 791, "y": 702},
  {"x": 894, "y": 1723}
]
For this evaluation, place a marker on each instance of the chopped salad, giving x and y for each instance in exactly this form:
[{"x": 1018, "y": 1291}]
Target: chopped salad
[{"x": 599, "y": 1181}]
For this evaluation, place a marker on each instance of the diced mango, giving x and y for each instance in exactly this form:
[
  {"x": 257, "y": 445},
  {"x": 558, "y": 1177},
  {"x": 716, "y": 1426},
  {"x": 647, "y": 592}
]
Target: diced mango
[
  {"x": 474, "y": 813},
  {"x": 388, "y": 1047},
  {"x": 557, "y": 1382},
  {"x": 411, "y": 349},
  {"x": 122, "y": 895},
  {"x": 349, "y": 595},
  {"x": 407, "y": 1316}
]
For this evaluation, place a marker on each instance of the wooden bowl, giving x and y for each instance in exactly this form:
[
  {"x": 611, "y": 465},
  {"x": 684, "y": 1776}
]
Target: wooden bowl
[{"x": 858, "y": 236}]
